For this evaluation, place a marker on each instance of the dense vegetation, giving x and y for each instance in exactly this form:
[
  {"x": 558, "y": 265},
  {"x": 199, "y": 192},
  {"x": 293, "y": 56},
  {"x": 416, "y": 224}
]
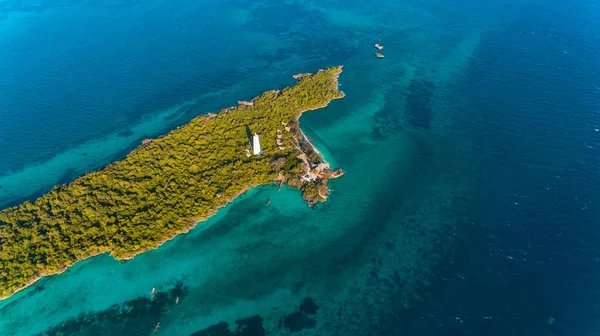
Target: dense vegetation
[{"x": 161, "y": 188}]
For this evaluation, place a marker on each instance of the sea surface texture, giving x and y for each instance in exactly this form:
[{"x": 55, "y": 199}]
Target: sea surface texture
[{"x": 470, "y": 200}]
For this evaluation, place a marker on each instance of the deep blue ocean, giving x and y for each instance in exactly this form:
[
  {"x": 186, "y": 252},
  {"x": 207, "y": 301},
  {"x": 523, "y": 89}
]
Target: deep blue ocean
[{"x": 471, "y": 199}]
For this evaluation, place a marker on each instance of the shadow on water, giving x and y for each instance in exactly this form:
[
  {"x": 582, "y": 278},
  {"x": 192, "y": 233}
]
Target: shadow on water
[{"x": 134, "y": 317}]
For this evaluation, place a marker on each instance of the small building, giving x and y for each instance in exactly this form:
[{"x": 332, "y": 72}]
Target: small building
[
  {"x": 279, "y": 143},
  {"x": 256, "y": 144},
  {"x": 281, "y": 148},
  {"x": 307, "y": 177},
  {"x": 288, "y": 128}
]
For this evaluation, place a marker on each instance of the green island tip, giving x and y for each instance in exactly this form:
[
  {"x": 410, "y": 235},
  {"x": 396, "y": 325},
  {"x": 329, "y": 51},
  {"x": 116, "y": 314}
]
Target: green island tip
[{"x": 169, "y": 184}]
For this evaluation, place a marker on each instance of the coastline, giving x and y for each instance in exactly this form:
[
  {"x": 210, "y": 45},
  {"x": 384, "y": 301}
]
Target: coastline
[
  {"x": 194, "y": 222},
  {"x": 337, "y": 85},
  {"x": 187, "y": 230},
  {"x": 312, "y": 145},
  {"x": 40, "y": 277}
]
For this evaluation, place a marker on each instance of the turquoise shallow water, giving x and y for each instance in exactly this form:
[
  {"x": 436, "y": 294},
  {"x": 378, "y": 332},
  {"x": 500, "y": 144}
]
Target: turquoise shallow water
[{"x": 429, "y": 138}]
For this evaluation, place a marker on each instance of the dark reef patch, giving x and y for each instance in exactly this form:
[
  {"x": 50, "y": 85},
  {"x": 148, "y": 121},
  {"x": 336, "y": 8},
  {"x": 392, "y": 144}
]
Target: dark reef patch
[
  {"x": 282, "y": 20},
  {"x": 125, "y": 133},
  {"x": 309, "y": 306},
  {"x": 134, "y": 317},
  {"x": 251, "y": 326},
  {"x": 297, "y": 321},
  {"x": 389, "y": 120},
  {"x": 219, "y": 329},
  {"x": 301, "y": 319},
  {"x": 418, "y": 103},
  {"x": 386, "y": 121}
]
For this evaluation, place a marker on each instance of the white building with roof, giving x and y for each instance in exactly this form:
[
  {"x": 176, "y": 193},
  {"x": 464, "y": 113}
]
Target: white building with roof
[{"x": 256, "y": 144}]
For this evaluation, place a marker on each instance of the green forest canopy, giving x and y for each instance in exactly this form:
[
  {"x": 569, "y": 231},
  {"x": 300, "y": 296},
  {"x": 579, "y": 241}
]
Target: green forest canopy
[{"x": 160, "y": 189}]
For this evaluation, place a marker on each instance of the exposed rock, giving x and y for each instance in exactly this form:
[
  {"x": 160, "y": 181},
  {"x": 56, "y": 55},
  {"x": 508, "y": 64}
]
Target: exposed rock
[
  {"x": 301, "y": 75},
  {"x": 246, "y": 103}
]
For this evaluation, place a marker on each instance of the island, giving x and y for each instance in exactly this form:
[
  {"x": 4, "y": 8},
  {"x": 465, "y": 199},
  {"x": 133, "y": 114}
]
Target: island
[{"x": 167, "y": 185}]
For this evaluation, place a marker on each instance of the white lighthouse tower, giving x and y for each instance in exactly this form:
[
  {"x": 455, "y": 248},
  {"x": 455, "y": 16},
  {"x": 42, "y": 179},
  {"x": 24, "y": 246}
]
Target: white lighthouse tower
[{"x": 256, "y": 144}]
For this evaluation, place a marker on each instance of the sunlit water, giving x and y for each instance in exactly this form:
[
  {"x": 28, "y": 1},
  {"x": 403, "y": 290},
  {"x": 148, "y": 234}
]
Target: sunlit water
[{"x": 469, "y": 200}]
